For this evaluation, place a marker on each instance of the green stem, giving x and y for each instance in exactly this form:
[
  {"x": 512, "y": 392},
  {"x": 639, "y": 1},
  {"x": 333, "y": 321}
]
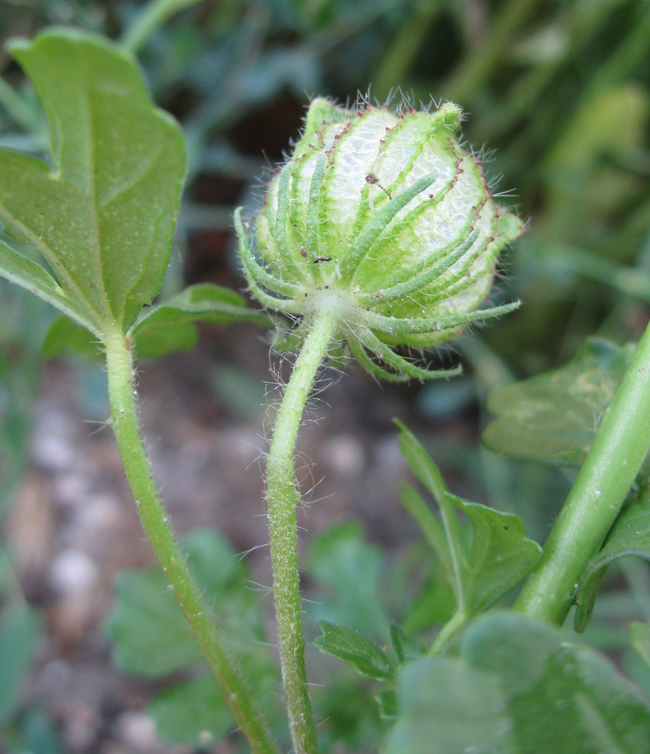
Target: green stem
[
  {"x": 448, "y": 631},
  {"x": 17, "y": 108},
  {"x": 126, "y": 426},
  {"x": 619, "y": 448},
  {"x": 397, "y": 61},
  {"x": 453, "y": 534},
  {"x": 283, "y": 498},
  {"x": 154, "y": 15},
  {"x": 477, "y": 65}
]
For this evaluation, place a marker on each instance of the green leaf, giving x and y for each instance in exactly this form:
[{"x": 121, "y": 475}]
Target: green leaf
[
  {"x": 518, "y": 686},
  {"x": 19, "y": 635},
  {"x": 404, "y": 646},
  {"x": 64, "y": 335},
  {"x": 351, "y": 647},
  {"x": 150, "y": 634},
  {"x": 204, "y": 302},
  {"x": 352, "y": 570},
  {"x": 496, "y": 557},
  {"x": 434, "y": 603},
  {"x": 102, "y": 216},
  {"x": 499, "y": 555},
  {"x": 640, "y": 640},
  {"x": 387, "y": 704},
  {"x": 552, "y": 418},
  {"x": 630, "y": 535},
  {"x": 191, "y": 712},
  {"x": 163, "y": 328},
  {"x": 169, "y": 326},
  {"x": 428, "y": 523},
  {"x": 16, "y": 268}
]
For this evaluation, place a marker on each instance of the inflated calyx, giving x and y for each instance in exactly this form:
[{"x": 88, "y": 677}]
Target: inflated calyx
[{"x": 384, "y": 220}]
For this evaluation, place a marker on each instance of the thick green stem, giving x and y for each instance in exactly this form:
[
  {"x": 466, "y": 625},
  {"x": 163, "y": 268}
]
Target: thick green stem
[
  {"x": 619, "y": 448},
  {"x": 283, "y": 498},
  {"x": 126, "y": 426}
]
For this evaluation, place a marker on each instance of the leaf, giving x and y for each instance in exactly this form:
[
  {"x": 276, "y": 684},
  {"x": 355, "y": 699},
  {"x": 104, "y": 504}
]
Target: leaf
[
  {"x": 518, "y": 686},
  {"x": 191, "y": 712},
  {"x": 552, "y": 418},
  {"x": 351, "y": 647},
  {"x": 64, "y": 335},
  {"x": 434, "y": 603},
  {"x": 18, "y": 269},
  {"x": 387, "y": 704},
  {"x": 102, "y": 216},
  {"x": 499, "y": 555},
  {"x": 352, "y": 570},
  {"x": 204, "y": 302},
  {"x": 19, "y": 634},
  {"x": 640, "y": 640},
  {"x": 630, "y": 535},
  {"x": 150, "y": 634},
  {"x": 404, "y": 646},
  {"x": 163, "y": 328},
  {"x": 496, "y": 557}
]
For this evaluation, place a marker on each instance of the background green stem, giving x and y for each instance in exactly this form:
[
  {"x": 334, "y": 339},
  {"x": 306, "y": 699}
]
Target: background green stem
[
  {"x": 126, "y": 426},
  {"x": 283, "y": 498},
  {"x": 153, "y": 15},
  {"x": 619, "y": 448}
]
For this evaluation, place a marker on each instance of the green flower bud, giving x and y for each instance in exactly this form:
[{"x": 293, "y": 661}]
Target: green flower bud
[{"x": 384, "y": 220}]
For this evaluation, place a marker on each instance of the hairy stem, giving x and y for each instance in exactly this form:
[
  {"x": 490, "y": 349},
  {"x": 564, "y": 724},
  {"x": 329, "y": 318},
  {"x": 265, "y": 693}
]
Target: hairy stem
[
  {"x": 126, "y": 426},
  {"x": 595, "y": 500},
  {"x": 283, "y": 498}
]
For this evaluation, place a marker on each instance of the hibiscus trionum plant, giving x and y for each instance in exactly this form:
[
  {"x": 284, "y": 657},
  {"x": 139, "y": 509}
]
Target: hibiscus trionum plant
[{"x": 378, "y": 236}]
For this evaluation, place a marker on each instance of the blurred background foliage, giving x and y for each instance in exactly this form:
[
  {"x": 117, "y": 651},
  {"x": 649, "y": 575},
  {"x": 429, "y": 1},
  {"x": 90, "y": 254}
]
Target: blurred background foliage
[{"x": 557, "y": 97}]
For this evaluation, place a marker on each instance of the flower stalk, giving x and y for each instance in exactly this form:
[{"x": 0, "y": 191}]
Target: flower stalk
[{"x": 282, "y": 499}]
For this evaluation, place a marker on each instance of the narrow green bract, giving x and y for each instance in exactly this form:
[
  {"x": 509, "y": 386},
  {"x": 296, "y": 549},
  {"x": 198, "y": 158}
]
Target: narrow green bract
[{"x": 384, "y": 220}]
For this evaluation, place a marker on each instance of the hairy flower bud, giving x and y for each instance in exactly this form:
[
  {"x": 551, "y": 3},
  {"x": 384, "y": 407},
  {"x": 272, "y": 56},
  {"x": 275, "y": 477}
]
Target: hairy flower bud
[{"x": 386, "y": 221}]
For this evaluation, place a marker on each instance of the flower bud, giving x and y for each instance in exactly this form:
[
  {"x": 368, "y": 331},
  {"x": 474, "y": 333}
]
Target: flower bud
[{"x": 385, "y": 221}]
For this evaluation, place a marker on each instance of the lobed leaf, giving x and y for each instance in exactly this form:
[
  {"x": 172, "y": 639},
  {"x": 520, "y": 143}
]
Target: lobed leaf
[
  {"x": 149, "y": 631},
  {"x": 192, "y": 711},
  {"x": 102, "y": 214},
  {"x": 552, "y": 418},
  {"x": 352, "y": 570},
  {"x": 151, "y": 638},
  {"x": 497, "y": 555},
  {"x": 518, "y": 686}
]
